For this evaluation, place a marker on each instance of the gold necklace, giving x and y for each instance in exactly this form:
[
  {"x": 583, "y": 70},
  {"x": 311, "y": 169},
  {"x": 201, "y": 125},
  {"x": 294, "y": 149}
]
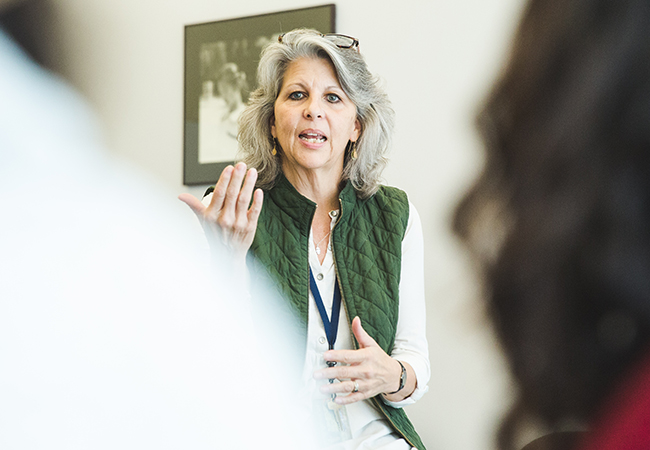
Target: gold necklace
[{"x": 318, "y": 245}]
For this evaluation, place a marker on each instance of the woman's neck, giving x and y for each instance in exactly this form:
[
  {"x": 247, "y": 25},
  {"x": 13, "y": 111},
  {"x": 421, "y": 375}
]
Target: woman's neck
[{"x": 321, "y": 187}]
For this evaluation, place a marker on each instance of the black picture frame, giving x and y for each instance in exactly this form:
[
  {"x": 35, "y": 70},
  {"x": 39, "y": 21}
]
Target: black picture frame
[{"x": 220, "y": 62}]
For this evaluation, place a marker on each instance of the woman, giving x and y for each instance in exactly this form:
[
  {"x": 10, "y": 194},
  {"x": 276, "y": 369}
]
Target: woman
[
  {"x": 315, "y": 134},
  {"x": 560, "y": 221}
]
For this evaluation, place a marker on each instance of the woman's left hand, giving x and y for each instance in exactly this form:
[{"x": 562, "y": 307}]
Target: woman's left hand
[{"x": 370, "y": 367}]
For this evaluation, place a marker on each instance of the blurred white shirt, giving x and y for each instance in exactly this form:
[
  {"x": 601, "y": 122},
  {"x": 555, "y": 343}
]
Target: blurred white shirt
[{"x": 109, "y": 335}]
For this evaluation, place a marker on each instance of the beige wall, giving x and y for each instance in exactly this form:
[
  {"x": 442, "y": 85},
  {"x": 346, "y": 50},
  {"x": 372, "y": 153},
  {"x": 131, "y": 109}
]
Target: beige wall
[{"x": 437, "y": 59}]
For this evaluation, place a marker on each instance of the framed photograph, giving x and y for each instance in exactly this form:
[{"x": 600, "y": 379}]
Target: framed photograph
[{"x": 220, "y": 72}]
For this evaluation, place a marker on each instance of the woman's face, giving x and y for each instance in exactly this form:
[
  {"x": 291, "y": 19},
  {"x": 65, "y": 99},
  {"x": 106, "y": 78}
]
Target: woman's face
[{"x": 314, "y": 119}]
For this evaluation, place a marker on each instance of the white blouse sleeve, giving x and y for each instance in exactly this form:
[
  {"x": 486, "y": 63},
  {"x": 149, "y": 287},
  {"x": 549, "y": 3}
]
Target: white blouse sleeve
[{"x": 411, "y": 338}]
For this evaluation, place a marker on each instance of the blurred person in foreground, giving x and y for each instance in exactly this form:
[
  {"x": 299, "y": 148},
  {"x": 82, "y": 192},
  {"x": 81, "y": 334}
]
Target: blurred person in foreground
[
  {"x": 560, "y": 222},
  {"x": 107, "y": 339},
  {"x": 338, "y": 244}
]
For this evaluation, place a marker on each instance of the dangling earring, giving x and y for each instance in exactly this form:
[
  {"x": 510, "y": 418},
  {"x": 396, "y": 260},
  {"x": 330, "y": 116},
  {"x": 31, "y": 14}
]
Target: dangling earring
[
  {"x": 354, "y": 150},
  {"x": 275, "y": 144}
]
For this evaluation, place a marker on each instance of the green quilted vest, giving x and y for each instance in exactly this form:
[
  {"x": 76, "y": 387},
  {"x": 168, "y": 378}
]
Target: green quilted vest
[{"x": 367, "y": 247}]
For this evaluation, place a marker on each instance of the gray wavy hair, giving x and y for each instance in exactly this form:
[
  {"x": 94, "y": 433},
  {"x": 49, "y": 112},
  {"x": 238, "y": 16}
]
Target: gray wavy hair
[{"x": 374, "y": 110}]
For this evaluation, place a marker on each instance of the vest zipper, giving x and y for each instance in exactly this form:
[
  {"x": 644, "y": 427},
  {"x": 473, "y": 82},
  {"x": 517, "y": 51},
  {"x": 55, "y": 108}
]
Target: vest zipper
[{"x": 338, "y": 278}]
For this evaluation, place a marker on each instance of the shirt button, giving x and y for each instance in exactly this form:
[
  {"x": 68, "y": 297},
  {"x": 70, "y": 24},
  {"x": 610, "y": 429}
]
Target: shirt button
[
  {"x": 334, "y": 213},
  {"x": 321, "y": 340},
  {"x": 319, "y": 277}
]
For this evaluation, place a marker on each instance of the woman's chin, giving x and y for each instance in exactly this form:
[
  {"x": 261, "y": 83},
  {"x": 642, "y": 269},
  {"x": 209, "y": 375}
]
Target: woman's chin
[{"x": 312, "y": 161}]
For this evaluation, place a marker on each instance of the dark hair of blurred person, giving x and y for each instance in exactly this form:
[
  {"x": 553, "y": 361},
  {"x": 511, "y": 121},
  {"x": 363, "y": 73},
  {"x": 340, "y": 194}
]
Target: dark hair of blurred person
[
  {"x": 560, "y": 221},
  {"x": 31, "y": 24}
]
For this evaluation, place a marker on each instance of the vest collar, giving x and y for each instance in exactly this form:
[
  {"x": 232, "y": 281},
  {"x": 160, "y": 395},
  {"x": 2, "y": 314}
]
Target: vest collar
[{"x": 297, "y": 206}]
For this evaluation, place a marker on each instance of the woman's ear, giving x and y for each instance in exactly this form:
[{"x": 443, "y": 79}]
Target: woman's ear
[
  {"x": 273, "y": 133},
  {"x": 356, "y": 131}
]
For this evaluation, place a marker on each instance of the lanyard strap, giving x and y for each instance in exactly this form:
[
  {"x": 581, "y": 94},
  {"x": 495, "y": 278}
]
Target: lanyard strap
[{"x": 331, "y": 326}]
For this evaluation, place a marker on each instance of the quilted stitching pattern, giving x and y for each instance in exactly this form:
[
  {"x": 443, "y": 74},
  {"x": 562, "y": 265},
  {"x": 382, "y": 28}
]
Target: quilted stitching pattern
[
  {"x": 282, "y": 240},
  {"x": 367, "y": 246}
]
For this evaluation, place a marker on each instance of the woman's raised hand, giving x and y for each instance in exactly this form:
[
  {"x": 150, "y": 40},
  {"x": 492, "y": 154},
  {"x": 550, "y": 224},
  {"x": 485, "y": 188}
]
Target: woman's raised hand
[
  {"x": 371, "y": 371},
  {"x": 228, "y": 220}
]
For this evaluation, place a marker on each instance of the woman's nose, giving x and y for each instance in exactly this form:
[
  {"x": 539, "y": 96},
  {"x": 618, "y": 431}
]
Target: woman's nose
[{"x": 313, "y": 109}]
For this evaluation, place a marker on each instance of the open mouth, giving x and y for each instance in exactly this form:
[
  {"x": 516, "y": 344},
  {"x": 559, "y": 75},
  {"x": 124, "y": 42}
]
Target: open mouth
[{"x": 312, "y": 138}]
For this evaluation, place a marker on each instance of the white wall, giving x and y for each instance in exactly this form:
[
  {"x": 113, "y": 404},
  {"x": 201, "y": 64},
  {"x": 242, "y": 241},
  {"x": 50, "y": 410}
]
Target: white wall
[{"x": 437, "y": 59}]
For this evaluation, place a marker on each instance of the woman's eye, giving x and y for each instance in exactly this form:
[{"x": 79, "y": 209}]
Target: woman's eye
[
  {"x": 297, "y": 95},
  {"x": 333, "y": 98}
]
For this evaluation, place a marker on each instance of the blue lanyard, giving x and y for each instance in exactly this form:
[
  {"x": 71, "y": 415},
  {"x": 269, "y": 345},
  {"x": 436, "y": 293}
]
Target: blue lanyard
[{"x": 331, "y": 326}]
